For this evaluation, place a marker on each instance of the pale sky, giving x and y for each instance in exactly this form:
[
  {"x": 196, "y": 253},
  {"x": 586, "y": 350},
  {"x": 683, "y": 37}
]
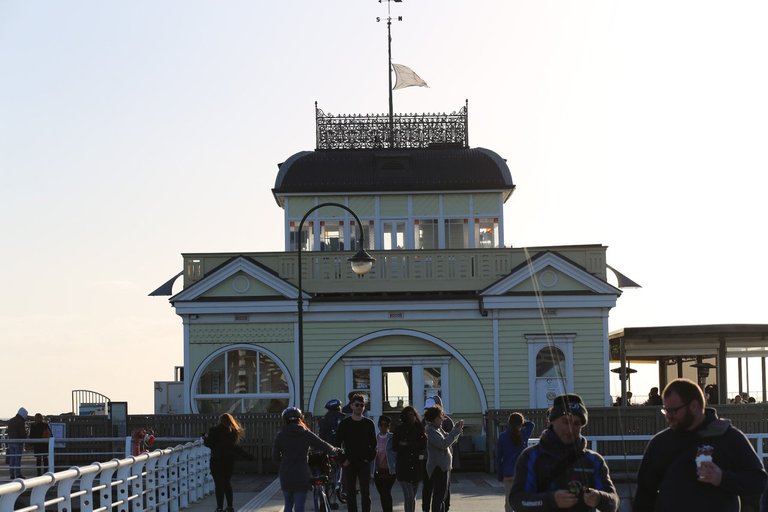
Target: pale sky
[{"x": 131, "y": 132}]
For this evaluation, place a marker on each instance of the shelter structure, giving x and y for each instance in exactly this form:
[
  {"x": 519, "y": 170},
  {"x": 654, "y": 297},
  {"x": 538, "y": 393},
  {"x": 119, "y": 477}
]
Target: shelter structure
[
  {"x": 697, "y": 352},
  {"x": 447, "y": 309}
]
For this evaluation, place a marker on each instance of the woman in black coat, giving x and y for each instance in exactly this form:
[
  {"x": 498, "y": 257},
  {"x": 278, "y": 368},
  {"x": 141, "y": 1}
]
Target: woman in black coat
[
  {"x": 222, "y": 440},
  {"x": 409, "y": 442}
]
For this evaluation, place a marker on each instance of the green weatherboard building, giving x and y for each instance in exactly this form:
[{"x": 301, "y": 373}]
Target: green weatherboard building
[{"x": 445, "y": 309}]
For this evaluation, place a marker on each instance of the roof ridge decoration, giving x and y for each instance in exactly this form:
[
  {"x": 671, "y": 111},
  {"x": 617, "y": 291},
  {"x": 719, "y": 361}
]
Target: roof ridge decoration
[{"x": 406, "y": 131}]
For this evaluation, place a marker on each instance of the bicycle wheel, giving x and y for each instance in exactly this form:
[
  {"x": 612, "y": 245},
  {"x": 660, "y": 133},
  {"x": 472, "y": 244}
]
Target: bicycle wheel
[
  {"x": 320, "y": 500},
  {"x": 316, "y": 498}
]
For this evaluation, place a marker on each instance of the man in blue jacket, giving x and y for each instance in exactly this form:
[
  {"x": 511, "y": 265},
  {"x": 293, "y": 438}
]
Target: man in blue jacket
[
  {"x": 700, "y": 462},
  {"x": 560, "y": 472}
]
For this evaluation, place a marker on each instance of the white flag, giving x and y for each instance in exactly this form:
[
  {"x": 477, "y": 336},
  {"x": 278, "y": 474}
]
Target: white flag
[{"x": 406, "y": 77}]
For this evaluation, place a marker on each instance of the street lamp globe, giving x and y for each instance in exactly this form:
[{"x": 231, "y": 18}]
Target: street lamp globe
[{"x": 361, "y": 262}]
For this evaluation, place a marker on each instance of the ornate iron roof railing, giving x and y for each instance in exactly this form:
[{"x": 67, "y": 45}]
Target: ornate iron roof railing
[{"x": 373, "y": 131}]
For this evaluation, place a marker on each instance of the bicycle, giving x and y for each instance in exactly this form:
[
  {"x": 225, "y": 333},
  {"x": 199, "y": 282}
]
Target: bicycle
[
  {"x": 319, "y": 496},
  {"x": 324, "y": 488}
]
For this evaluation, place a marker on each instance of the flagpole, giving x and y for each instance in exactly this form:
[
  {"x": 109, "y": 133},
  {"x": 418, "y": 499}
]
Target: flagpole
[{"x": 389, "y": 73}]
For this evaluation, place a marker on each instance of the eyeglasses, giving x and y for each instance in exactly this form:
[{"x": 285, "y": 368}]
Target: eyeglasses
[
  {"x": 358, "y": 404},
  {"x": 671, "y": 411}
]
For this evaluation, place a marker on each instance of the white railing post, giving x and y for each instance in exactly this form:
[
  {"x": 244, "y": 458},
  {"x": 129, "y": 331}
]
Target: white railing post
[
  {"x": 150, "y": 482},
  {"x": 51, "y": 455},
  {"x": 173, "y": 482},
  {"x": 105, "y": 485},
  {"x": 183, "y": 472},
  {"x": 37, "y": 496},
  {"x": 162, "y": 481},
  {"x": 8, "y": 499},
  {"x": 123, "y": 484},
  {"x": 86, "y": 485}
]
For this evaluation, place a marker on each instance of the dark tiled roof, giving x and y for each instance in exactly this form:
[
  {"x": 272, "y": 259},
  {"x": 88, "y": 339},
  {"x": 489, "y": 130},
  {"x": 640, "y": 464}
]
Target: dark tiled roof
[{"x": 395, "y": 170}]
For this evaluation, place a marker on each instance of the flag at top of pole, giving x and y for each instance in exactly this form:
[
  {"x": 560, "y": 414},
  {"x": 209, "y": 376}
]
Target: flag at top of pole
[{"x": 406, "y": 77}]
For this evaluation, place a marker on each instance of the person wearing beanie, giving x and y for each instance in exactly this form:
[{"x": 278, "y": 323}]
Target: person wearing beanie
[
  {"x": 17, "y": 429},
  {"x": 560, "y": 472}
]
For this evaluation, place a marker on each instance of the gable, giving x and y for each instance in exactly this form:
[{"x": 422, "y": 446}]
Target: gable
[
  {"x": 240, "y": 277},
  {"x": 241, "y": 285},
  {"x": 549, "y": 272}
]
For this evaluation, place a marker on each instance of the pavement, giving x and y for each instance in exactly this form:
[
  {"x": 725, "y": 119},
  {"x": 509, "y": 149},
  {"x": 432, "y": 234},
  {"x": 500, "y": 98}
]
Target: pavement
[{"x": 470, "y": 492}]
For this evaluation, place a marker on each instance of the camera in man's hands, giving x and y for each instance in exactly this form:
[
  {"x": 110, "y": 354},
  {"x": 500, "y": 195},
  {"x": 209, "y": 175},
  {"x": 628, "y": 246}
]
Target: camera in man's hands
[{"x": 576, "y": 488}]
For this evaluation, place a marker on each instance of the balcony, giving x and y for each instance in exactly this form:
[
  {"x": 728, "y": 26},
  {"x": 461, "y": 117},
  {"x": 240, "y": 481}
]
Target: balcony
[{"x": 444, "y": 270}]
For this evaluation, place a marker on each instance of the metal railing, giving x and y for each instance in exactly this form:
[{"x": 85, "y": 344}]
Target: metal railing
[{"x": 165, "y": 480}]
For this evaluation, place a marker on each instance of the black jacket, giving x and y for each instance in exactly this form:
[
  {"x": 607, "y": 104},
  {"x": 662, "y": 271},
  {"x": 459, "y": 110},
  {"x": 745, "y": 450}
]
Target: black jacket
[
  {"x": 667, "y": 479},
  {"x": 409, "y": 442},
  {"x": 223, "y": 444}
]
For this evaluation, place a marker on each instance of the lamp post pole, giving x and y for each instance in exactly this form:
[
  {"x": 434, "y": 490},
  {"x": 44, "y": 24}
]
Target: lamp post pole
[{"x": 361, "y": 263}]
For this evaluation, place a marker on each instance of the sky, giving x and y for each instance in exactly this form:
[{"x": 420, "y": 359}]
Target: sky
[{"x": 132, "y": 132}]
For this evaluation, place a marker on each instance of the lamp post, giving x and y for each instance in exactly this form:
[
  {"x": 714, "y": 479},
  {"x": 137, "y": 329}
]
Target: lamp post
[{"x": 361, "y": 263}]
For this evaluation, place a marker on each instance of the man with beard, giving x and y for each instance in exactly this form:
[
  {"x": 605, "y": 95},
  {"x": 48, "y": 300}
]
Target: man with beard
[{"x": 700, "y": 462}]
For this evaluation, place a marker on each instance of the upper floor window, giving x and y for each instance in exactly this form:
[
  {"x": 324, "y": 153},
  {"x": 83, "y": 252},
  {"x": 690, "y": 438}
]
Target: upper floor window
[
  {"x": 426, "y": 231},
  {"x": 307, "y": 236},
  {"x": 332, "y": 235},
  {"x": 456, "y": 234},
  {"x": 368, "y": 234},
  {"x": 486, "y": 233}
]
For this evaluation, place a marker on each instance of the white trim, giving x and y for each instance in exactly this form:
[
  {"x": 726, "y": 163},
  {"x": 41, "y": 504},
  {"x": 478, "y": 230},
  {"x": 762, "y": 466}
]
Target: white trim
[
  {"x": 606, "y": 362},
  {"x": 496, "y": 362},
  {"x": 239, "y": 346},
  {"x": 398, "y": 332},
  {"x": 500, "y": 216},
  {"x": 187, "y": 385},
  {"x": 417, "y": 364},
  {"x": 536, "y": 342}
]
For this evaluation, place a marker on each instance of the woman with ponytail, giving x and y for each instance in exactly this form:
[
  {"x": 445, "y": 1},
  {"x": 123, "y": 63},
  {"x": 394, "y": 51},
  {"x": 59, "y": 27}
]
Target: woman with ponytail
[{"x": 511, "y": 443}]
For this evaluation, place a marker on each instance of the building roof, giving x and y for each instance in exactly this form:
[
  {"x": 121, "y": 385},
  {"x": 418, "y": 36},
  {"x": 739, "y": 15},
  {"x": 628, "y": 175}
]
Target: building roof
[{"x": 443, "y": 168}]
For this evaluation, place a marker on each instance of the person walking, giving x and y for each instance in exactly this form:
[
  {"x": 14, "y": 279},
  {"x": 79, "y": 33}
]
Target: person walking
[
  {"x": 700, "y": 462},
  {"x": 223, "y": 439},
  {"x": 40, "y": 430},
  {"x": 426, "y": 490},
  {"x": 509, "y": 446},
  {"x": 384, "y": 468},
  {"x": 560, "y": 472},
  {"x": 291, "y": 450},
  {"x": 17, "y": 429},
  {"x": 439, "y": 454},
  {"x": 357, "y": 436},
  {"x": 409, "y": 442}
]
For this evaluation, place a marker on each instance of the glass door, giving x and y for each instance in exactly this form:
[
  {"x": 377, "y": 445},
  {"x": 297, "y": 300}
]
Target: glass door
[{"x": 397, "y": 389}]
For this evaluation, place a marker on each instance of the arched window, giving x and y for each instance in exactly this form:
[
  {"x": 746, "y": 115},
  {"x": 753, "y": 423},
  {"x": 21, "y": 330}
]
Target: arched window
[
  {"x": 241, "y": 380},
  {"x": 550, "y": 362}
]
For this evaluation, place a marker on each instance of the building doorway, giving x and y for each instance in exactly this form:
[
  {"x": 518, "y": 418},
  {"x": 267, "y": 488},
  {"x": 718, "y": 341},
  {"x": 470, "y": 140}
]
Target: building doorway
[{"x": 396, "y": 389}]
